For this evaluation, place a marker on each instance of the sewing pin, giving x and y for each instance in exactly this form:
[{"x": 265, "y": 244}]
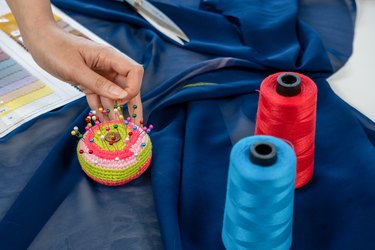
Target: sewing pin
[{"x": 134, "y": 115}]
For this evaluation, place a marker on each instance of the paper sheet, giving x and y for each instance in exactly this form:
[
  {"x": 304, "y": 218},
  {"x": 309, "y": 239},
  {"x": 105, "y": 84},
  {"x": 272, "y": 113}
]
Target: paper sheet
[{"x": 26, "y": 90}]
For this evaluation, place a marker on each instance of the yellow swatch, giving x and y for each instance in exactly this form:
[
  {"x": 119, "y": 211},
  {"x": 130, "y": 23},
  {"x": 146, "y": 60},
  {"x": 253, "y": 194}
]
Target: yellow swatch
[
  {"x": 10, "y": 26},
  {"x": 33, "y": 86},
  {"x": 26, "y": 99}
]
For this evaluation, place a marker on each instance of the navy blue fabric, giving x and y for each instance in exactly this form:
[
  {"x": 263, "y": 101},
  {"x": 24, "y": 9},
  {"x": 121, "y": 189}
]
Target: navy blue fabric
[{"x": 202, "y": 99}]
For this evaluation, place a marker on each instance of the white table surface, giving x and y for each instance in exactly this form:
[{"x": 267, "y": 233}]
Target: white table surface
[{"x": 355, "y": 82}]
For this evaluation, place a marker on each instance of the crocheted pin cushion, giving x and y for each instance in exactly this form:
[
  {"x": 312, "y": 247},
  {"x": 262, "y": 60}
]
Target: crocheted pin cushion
[{"x": 114, "y": 152}]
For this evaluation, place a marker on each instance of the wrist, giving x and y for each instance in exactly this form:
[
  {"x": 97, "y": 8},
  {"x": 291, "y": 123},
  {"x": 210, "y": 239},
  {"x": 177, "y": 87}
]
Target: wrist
[{"x": 36, "y": 35}]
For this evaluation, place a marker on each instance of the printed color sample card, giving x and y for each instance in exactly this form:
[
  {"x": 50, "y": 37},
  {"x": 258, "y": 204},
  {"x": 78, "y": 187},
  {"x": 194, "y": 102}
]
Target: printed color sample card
[
  {"x": 27, "y": 91},
  {"x": 17, "y": 87}
]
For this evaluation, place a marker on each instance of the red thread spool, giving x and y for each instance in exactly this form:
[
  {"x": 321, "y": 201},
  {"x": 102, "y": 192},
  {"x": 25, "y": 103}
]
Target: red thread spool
[{"x": 287, "y": 109}]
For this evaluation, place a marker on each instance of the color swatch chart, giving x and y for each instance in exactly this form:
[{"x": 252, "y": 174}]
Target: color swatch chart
[
  {"x": 26, "y": 91},
  {"x": 17, "y": 86}
]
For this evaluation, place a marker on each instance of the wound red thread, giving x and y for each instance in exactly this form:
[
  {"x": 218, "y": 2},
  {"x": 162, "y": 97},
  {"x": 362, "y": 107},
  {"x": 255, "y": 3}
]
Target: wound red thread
[{"x": 290, "y": 118}]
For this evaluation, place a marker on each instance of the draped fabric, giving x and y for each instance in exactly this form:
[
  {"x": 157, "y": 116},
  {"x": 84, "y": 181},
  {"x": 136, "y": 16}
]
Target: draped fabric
[{"x": 201, "y": 98}]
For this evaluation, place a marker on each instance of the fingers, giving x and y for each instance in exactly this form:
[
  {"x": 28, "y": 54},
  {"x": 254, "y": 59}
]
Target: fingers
[
  {"x": 138, "y": 111},
  {"x": 109, "y": 59},
  {"x": 114, "y": 79},
  {"x": 95, "y": 102},
  {"x": 99, "y": 85},
  {"x": 128, "y": 68},
  {"x": 134, "y": 82},
  {"x": 121, "y": 81}
]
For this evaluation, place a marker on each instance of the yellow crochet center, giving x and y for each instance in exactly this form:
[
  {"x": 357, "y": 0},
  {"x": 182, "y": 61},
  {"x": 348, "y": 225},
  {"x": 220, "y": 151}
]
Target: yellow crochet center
[{"x": 118, "y": 146}]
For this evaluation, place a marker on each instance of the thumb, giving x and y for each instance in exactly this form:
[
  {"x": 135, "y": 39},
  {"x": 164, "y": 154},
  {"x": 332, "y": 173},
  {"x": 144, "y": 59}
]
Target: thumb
[{"x": 100, "y": 85}]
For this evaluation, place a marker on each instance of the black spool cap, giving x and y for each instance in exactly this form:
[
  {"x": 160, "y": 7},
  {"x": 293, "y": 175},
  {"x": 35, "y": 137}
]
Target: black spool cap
[
  {"x": 263, "y": 153},
  {"x": 288, "y": 84}
]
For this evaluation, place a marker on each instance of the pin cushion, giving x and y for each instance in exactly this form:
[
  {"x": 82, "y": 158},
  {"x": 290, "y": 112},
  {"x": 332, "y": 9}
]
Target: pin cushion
[{"x": 114, "y": 152}]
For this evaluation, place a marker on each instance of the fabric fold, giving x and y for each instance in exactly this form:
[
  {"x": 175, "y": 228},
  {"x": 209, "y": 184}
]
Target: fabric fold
[{"x": 201, "y": 99}]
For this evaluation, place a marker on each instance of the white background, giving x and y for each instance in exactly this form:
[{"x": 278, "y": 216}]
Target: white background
[{"x": 355, "y": 82}]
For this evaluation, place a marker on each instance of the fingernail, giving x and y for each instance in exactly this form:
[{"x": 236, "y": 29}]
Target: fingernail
[
  {"x": 123, "y": 94},
  {"x": 118, "y": 94}
]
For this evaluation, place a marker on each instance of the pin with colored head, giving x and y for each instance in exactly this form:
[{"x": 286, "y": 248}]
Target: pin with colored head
[
  {"x": 116, "y": 111},
  {"x": 106, "y": 112},
  {"x": 101, "y": 110},
  {"x": 104, "y": 142},
  {"x": 150, "y": 128},
  {"x": 115, "y": 126},
  {"x": 75, "y": 132},
  {"x": 134, "y": 115}
]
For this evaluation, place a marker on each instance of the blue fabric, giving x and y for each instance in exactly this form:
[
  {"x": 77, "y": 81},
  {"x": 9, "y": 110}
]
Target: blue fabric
[{"x": 46, "y": 202}]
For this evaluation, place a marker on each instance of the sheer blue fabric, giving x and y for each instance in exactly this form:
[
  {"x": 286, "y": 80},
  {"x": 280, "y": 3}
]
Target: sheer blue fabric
[{"x": 202, "y": 99}]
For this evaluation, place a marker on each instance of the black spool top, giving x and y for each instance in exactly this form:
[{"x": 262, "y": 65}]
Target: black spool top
[
  {"x": 263, "y": 153},
  {"x": 288, "y": 84}
]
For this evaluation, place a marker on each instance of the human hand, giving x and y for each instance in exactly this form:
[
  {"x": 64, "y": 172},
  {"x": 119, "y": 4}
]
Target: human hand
[{"x": 106, "y": 76}]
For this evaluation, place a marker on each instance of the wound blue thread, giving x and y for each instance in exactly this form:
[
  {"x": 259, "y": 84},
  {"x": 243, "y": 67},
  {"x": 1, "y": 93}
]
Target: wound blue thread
[{"x": 259, "y": 203}]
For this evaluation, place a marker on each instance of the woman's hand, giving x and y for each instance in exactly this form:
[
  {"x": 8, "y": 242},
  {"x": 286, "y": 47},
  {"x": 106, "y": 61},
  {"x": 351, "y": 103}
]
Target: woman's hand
[{"x": 105, "y": 75}]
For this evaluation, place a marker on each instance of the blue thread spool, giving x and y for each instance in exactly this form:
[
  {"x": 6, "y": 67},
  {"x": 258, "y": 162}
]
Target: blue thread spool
[{"x": 260, "y": 193}]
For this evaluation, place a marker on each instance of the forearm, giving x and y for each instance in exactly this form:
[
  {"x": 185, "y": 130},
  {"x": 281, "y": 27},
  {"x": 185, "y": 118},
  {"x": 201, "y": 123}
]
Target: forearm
[{"x": 34, "y": 17}]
